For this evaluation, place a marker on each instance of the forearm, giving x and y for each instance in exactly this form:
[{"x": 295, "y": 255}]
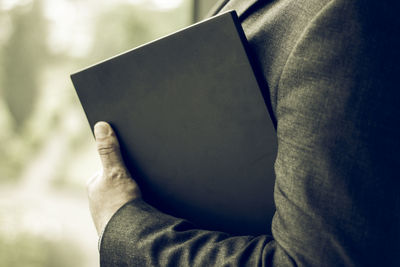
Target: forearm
[{"x": 139, "y": 235}]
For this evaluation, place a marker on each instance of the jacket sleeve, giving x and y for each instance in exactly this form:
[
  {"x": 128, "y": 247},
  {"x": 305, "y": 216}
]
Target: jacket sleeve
[{"x": 336, "y": 190}]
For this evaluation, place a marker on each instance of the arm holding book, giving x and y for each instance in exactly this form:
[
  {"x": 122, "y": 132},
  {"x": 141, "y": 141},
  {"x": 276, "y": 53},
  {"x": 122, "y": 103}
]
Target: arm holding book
[{"x": 335, "y": 99}]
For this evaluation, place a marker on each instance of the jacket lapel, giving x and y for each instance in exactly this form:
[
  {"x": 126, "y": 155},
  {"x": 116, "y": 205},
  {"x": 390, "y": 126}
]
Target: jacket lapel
[{"x": 239, "y": 5}]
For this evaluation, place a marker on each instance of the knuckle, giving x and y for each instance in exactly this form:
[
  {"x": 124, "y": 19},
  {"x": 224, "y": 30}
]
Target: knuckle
[
  {"x": 132, "y": 191},
  {"x": 116, "y": 172}
]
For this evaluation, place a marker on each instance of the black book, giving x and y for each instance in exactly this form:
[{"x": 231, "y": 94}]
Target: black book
[{"x": 193, "y": 126}]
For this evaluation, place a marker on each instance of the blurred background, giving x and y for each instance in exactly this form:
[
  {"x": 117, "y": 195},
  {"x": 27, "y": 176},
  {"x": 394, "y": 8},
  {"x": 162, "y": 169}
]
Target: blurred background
[{"x": 47, "y": 151}]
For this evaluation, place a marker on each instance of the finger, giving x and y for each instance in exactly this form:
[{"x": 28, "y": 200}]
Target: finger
[{"x": 108, "y": 147}]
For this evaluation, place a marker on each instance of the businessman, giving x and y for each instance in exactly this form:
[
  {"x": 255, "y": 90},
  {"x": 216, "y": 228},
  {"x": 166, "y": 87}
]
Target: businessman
[{"x": 331, "y": 67}]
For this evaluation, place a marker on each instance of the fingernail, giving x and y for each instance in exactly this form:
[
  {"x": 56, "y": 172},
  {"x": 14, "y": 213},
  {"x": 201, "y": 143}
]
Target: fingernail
[{"x": 101, "y": 129}]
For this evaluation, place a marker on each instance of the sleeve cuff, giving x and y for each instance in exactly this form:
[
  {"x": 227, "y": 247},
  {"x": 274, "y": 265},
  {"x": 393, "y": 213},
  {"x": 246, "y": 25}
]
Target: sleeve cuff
[{"x": 138, "y": 202}]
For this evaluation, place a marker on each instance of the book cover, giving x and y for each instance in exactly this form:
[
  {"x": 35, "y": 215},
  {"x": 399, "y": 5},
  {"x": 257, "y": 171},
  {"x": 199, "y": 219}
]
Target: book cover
[{"x": 193, "y": 125}]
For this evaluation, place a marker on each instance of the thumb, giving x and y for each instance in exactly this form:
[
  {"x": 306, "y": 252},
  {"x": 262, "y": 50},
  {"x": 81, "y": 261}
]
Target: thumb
[{"x": 108, "y": 147}]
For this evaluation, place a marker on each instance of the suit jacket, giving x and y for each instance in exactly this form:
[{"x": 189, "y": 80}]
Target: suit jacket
[{"x": 331, "y": 67}]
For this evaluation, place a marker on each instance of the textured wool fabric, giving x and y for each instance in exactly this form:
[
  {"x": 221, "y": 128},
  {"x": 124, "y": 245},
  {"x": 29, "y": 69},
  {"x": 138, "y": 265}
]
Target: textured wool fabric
[{"x": 331, "y": 67}]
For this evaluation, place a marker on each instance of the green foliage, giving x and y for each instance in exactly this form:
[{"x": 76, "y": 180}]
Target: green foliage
[
  {"x": 12, "y": 158},
  {"x": 27, "y": 250},
  {"x": 23, "y": 56},
  {"x": 126, "y": 26}
]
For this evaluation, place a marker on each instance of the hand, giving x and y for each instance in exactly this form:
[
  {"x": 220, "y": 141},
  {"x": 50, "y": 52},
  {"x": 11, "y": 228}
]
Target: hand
[{"x": 112, "y": 187}]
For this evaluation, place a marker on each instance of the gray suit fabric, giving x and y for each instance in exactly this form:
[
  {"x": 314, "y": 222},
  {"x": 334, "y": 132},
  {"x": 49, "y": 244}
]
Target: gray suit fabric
[{"x": 331, "y": 67}]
